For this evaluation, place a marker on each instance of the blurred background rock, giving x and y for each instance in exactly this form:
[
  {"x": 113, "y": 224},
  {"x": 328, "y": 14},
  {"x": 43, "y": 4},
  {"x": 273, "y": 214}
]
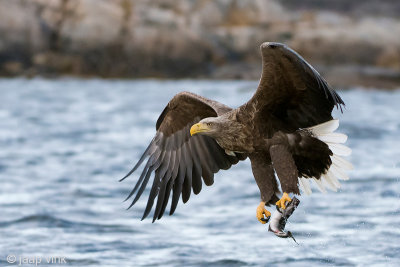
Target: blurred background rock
[{"x": 350, "y": 42}]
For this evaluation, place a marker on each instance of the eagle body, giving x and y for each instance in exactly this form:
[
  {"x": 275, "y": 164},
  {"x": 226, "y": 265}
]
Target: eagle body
[{"x": 285, "y": 128}]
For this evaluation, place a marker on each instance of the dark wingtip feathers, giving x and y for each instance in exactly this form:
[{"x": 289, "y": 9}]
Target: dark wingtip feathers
[{"x": 145, "y": 153}]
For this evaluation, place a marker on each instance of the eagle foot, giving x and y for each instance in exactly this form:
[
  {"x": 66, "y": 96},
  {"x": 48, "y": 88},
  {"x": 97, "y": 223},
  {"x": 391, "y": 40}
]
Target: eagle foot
[
  {"x": 281, "y": 203},
  {"x": 261, "y": 212}
]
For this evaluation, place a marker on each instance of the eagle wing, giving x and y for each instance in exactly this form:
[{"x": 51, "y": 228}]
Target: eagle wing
[
  {"x": 292, "y": 95},
  {"x": 178, "y": 160},
  {"x": 291, "y": 91}
]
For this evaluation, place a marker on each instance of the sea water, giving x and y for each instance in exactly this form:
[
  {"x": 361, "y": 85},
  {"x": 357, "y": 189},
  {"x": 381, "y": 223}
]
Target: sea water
[{"x": 64, "y": 144}]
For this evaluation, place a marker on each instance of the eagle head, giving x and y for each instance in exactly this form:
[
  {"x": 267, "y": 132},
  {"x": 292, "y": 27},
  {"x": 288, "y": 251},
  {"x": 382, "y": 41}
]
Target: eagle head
[{"x": 209, "y": 126}]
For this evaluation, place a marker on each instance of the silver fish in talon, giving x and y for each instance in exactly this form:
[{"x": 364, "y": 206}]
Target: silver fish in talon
[{"x": 279, "y": 219}]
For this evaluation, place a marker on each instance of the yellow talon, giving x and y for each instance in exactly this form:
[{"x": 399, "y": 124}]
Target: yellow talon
[
  {"x": 261, "y": 211},
  {"x": 281, "y": 203}
]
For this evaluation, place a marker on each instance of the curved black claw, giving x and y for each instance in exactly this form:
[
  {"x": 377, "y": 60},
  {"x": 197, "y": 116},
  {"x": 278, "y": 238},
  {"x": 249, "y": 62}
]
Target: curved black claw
[{"x": 266, "y": 219}]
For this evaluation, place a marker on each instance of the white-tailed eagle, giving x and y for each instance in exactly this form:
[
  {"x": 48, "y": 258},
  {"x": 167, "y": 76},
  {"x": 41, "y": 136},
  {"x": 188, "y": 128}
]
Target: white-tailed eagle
[{"x": 285, "y": 128}]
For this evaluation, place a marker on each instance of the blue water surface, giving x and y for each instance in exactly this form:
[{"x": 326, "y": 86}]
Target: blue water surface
[{"x": 64, "y": 144}]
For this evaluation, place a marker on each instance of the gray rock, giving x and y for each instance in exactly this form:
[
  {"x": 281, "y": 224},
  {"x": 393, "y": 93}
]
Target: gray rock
[{"x": 186, "y": 38}]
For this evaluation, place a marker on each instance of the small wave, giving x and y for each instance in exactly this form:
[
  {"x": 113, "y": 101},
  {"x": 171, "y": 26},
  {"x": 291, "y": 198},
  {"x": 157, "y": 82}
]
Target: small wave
[
  {"x": 49, "y": 221},
  {"x": 374, "y": 179},
  {"x": 359, "y": 225},
  {"x": 363, "y": 132},
  {"x": 83, "y": 262},
  {"x": 40, "y": 218},
  {"x": 314, "y": 261},
  {"x": 92, "y": 194},
  {"x": 389, "y": 194},
  {"x": 225, "y": 262},
  {"x": 2, "y": 167}
]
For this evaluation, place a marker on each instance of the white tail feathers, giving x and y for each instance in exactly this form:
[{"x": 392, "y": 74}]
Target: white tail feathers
[
  {"x": 305, "y": 186},
  {"x": 325, "y": 128},
  {"x": 339, "y": 166},
  {"x": 344, "y": 164},
  {"x": 339, "y": 149},
  {"x": 336, "y": 138},
  {"x": 321, "y": 187}
]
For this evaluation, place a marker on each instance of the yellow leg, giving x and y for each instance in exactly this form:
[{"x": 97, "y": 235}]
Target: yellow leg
[
  {"x": 261, "y": 211},
  {"x": 281, "y": 203}
]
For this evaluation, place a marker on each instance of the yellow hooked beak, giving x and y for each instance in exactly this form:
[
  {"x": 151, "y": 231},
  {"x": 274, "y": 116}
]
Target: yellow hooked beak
[{"x": 199, "y": 128}]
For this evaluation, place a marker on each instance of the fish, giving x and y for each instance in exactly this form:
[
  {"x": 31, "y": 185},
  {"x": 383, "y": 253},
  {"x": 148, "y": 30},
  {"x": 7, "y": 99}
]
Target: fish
[{"x": 279, "y": 219}]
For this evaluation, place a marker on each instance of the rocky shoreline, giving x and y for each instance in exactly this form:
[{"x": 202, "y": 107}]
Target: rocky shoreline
[{"x": 198, "y": 39}]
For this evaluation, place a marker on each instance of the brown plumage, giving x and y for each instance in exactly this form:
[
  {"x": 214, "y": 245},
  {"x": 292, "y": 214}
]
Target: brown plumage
[{"x": 270, "y": 129}]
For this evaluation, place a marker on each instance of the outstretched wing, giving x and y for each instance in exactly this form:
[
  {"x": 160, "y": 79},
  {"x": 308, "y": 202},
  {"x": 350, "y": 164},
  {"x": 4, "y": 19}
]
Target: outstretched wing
[
  {"x": 291, "y": 92},
  {"x": 178, "y": 160}
]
